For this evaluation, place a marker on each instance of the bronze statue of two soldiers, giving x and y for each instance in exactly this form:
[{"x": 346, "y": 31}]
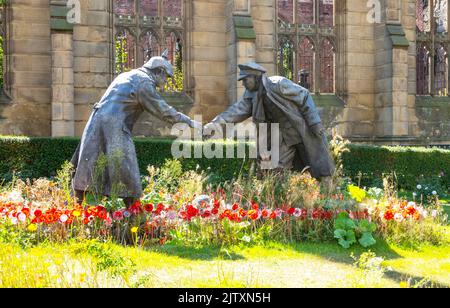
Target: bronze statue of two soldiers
[{"x": 303, "y": 143}]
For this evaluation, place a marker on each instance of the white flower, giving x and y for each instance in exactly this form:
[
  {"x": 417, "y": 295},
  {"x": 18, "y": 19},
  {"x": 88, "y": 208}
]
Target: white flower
[
  {"x": 411, "y": 204},
  {"x": 64, "y": 218},
  {"x": 434, "y": 193},
  {"x": 399, "y": 217},
  {"x": 414, "y": 194},
  {"x": 126, "y": 214},
  {"x": 419, "y": 187},
  {"x": 22, "y": 217},
  {"x": 298, "y": 213},
  {"x": 14, "y": 221}
]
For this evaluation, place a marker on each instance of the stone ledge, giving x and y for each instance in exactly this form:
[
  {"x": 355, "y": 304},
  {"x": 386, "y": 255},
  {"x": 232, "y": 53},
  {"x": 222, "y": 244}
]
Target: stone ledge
[
  {"x": 432, "y": 102},
  {"x": 58, "y": 20},
  {"x": 397, "y": 35},
  {"x": 331, "y": 100},
  {"x": 243, "y": 26}
]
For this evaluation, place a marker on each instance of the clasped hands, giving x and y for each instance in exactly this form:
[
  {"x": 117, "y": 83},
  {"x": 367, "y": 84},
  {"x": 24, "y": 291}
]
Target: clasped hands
[
  {"x": 212, "y": 128},
  {"x": 206, "y": 131}
]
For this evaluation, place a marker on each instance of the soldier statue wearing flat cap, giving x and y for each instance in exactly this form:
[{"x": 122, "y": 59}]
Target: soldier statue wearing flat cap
[
  {"x": 109, "y": 129},
  {"x": 303, "y": 143}
]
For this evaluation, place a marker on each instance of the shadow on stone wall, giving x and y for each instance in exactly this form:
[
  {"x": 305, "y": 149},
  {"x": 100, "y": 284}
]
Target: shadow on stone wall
[
  {"x": 330, "y": 107},
  {"x": 434, "y": 119},
  {"x": 150, "y": 126}
]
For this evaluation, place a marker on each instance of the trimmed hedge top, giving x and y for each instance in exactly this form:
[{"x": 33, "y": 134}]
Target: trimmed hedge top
[{"x": 42, "y": 157}]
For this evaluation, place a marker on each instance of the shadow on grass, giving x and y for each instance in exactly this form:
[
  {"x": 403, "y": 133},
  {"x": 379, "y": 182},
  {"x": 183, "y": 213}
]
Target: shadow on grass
[
  {"x": 201, "y": 253},
  {"x": 415, "y": 281},
  {"x": 329, "y": 251},
  {"x": 333, "y": 252}
]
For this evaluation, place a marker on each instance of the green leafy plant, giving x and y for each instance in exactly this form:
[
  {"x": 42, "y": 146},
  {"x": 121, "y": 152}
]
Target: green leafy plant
[{"x": 349, "y": 232}]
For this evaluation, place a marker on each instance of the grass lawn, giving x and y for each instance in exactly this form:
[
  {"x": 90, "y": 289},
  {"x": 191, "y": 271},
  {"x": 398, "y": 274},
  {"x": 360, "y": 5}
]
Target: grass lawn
[{"x": 274, "y": 265}]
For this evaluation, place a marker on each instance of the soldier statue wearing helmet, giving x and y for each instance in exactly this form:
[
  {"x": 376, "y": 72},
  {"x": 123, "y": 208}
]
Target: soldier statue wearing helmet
[
  {"x": 303, "y": 143},
  {"x": 109, "y": 130}
]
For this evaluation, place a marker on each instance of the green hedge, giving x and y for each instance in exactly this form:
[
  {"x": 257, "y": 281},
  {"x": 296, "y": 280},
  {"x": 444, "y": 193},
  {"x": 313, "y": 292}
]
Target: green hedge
[
  {"x": 409, "y": 164},
  {"x": 41, "y": 157}
]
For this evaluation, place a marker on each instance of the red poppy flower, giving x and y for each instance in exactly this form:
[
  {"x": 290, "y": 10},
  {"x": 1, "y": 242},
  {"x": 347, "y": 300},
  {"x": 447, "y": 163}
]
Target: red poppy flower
[
  {"x": 235, "y": 207},
  {"x": 389, "y": 215},
  {"x": 192, "y": 211},
  {"x": 291, "y": 211},
  {"x": 253, "y": 214},
  {"x": 273, "y": 215},
  {"x": 206, "y": 214},
  {"x": 411, "y": 211},
  {"x": 37, "y": 213},
  {"x": 26, "y": 211},
  {"x": 136, "y": 209},
  {"x": 148, "y": 208},
  {"x": 102, "y": 215},
  {"x": 265, "y": 213},
  {"x": 316, "y": 214},
  {"x": 215, "y": 211},
  {"x": 255, "y": 206}
]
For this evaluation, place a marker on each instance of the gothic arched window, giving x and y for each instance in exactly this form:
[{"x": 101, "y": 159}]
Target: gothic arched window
[
  {"x": 432, "y": 52},
  {"x": 310, "y": 26},
  {"x": 145, "y": 28}
]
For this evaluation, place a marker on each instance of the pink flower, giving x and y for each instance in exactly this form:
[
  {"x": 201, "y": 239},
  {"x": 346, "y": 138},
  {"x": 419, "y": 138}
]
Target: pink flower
[
  {"x": 118, "y": 215},
  {"x": 434, "y": 214},
  {"x": 279, "y": 213}
]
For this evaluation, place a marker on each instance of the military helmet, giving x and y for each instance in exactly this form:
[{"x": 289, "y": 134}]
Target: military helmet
[
  {"x": 160, "y": 62},
  {"x": 249, "y": 69}
]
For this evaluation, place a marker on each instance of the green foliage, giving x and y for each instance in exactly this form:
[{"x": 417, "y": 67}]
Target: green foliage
[
  {"x": 1, "y": 61},
  {"x": 176, "y": 84},
  {"x": 42, "y": 157},
  {"x": 408, "y": 165},
  {"x": 348, "y": 231},
  {"x": 121, "y": 55},
  {"x": 64, "y": 178},
  {"x": 107, "y": 259}
]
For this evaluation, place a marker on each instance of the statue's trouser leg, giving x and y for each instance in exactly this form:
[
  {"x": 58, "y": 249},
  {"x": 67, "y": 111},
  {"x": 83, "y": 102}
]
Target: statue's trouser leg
[
  {"x": 287, "y": 156},
  {"x": 129, "y": 201},
  {"x": 80, "y": 195}
]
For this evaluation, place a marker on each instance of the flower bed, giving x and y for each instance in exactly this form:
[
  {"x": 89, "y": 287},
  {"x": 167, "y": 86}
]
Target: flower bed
[{"x": 288, "y": 207}]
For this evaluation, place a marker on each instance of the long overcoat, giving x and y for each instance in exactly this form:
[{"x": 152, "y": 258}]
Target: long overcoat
[
  {"x": 298, "y": 106},
  {"x": 109, "y": 132}
]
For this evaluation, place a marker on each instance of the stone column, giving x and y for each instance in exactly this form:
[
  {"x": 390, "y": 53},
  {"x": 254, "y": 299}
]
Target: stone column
[
  {"x": 265, "y": 21},
  {"x": 62, "y": 85},
  {"x": 392, "y": 76},
  {"x": 29, "y": 113},
  {"x": 93, "y": 58},
  {"x": 207, "y": 57},
  {"x": 241, "y": 43}
]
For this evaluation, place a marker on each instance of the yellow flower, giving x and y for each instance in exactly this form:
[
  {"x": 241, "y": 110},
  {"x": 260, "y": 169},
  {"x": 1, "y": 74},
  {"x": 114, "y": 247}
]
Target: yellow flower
[
  {"x": 404, "y": 285},
  {"x": 134, "y": 230},
  {"x": 32, "y": 228},
  {"x": 76, "y": 213},
  {"x": 82, "y": 278}
]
